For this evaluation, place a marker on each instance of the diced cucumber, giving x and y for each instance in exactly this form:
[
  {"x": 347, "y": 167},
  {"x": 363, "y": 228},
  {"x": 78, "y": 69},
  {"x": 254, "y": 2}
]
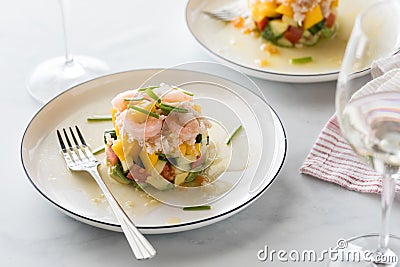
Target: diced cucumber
[
  {"x": 278, "y": 27},
  {"x": 308, "y": 39},
  {"x": 316, "y": 27},
  {"x": 274, "y": 30},
  {"x": 328, "y": 32},
  {"x": 283, "y": 42}
]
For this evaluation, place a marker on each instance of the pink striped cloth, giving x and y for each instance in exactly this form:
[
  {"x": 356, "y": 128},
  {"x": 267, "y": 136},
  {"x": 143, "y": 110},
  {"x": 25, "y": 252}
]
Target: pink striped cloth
[{"x": 332, "y": 159}]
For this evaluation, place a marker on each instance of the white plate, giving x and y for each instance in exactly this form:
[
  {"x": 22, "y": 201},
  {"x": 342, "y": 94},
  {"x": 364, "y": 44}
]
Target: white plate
[
  {"x": 230, "y": 46},
  {"x": 78, "y": 196}
]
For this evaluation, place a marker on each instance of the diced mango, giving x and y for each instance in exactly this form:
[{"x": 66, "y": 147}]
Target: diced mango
[
  {"x": 182, "y": 148},
  {"x": 285, "y": 10},
  {"x": 238, "y": 22},
  {"x": 117, "y": 148},
  {"x": 197, "y": 108},
  {"x": 197, "y": 148},
  {"x": 113, "y": 111},
  {"x": 193, "y": 150},
  {"x": 334, "y": 3},
  {"x": 261, "y": 10},
  {"x": 313, "y": 17},
  {"x": 153, "y": 158}
]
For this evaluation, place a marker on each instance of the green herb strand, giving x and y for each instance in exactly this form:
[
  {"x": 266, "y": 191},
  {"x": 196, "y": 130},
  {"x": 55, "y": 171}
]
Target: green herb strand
[
  {"x": 152, "y": 114},
  {"x": 300, "y": 60},
  {"x": 234, "y": 133},
  {"x": 206, "y": 207},
  {"x": 95, "y": 118}
]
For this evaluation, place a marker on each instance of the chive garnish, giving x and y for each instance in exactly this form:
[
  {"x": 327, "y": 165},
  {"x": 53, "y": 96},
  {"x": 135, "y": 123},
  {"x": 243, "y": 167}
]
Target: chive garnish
[
  {"x": 172, "y": 108},
  {"x": 188, "y": 93},
  {"x": 152, "y": 114},
  {"x": 99, "y": 118},
  {"x": 300, "y": 60},
  {"x": 134, "y": 99},
  {"x": 234, "y": 133},
  {"x": 151, "y": 94},
  {"x": 98, "y": 150},
  {"x": 206, "y": 207},
  {"x": 145, "y": 88},
  {"x": 185, "y": 92}
]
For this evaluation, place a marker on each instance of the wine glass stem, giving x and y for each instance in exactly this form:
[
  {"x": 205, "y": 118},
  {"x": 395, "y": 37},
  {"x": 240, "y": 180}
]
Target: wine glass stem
[
  {"x": 388, "y": 192},
  {"x": 65, "y": 13}
]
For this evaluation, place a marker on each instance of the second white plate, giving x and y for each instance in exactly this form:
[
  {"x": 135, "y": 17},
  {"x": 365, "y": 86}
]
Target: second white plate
[{"x": 230, "y": 46}]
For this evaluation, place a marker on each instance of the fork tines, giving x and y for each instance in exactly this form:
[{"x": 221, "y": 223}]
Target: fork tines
[
  {"x": 74, "y": 153},
  {"x": 227, "y": 14}
]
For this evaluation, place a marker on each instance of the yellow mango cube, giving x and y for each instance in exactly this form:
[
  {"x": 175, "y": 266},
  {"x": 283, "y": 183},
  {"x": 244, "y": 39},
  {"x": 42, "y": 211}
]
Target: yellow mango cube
[
  {"x": 113, "y": 111},
  {"x": 334, "y": 3},
  {"x": 192, "y": 150},
  {"x": 117, "y": 148},
  {"x": 285, "y": 10},
  {"x": 153, "y": 158},
  {"x": 313, "y": 17},
  {"x": 197, "y": 148},
  {"x": 182, "y": 148},
  {"x": 261, "y": 10}
]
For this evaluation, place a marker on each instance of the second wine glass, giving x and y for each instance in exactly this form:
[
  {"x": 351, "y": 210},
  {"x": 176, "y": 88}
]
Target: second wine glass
[{"x": 369, "y": 118}]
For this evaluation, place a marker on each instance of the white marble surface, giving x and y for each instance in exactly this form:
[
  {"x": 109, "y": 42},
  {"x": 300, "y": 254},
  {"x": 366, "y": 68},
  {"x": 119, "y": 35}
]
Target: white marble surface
[{"x": 297, "y": 212}]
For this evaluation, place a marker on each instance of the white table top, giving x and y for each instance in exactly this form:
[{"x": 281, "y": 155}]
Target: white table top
[{"x": 297, "y": 212}]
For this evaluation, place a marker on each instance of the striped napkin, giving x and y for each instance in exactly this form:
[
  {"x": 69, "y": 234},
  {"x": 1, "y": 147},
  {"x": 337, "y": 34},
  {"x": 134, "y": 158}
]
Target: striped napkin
[{"x": 332, "y": 159}]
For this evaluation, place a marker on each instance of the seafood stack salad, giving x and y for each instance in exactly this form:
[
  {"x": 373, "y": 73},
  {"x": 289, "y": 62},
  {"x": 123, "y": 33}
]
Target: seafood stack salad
[
  {"x": 159, "y": 139},
  {"x": 291, "y": 23}
]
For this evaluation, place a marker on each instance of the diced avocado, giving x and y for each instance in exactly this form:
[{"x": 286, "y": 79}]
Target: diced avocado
[
  {"x": 180, "y": 178},
  {"x": 118, "y": 174},
  {"x": 131, "y": 150},
  {"x": 158, "y": 182},
  {"x": 283, "y": 42},
  {"x": 146, "y": 161},
  {"x": 159, "y": 165},
  {"x": 278, "y": 27}
]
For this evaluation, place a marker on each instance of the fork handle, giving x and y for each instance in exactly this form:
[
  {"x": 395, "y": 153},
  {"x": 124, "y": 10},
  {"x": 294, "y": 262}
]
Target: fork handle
[{"x": 141, "y": 247}]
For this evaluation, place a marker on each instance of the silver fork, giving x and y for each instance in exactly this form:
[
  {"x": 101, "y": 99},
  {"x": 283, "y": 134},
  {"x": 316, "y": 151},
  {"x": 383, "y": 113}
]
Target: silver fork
[
  {"x": 228, "y": 13},
  {"x": 78, "y": 157}
]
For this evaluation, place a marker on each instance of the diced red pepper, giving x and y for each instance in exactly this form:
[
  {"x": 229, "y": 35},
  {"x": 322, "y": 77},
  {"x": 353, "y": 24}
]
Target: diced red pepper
[
  {"x": 330, "y": 20},
  {"x": 168, "y": 172},
  {"x": 262, "y": 24},
  {"x": 293, "y": 34},
  {"x": 111, "y": 156}
]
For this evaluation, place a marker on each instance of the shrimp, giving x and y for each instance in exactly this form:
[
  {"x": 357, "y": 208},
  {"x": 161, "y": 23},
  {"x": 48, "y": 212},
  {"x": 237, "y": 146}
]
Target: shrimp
[
  {"x": 173, "y": 96},
  {"x": 188, "y": 128},
  {"x": 119, "y": 103},
  {"x": 148, "y": 129}
]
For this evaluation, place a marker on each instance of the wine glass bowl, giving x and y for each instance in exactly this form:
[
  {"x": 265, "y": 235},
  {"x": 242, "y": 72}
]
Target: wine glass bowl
[
  {"x": 55, "y": 75},
  {"x": 369, "y": 114}
]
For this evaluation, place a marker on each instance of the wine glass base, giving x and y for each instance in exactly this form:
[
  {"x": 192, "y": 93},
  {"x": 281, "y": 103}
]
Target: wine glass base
[
  {"x": 362, "y": 251},
  {"x": 55, "y": 75}
]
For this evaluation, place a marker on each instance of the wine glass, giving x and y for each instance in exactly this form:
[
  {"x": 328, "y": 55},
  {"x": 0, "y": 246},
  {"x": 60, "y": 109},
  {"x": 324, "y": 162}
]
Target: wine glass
[
  {"x": 369, "y": 118},
  {"x": 55, "y": 75}
]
